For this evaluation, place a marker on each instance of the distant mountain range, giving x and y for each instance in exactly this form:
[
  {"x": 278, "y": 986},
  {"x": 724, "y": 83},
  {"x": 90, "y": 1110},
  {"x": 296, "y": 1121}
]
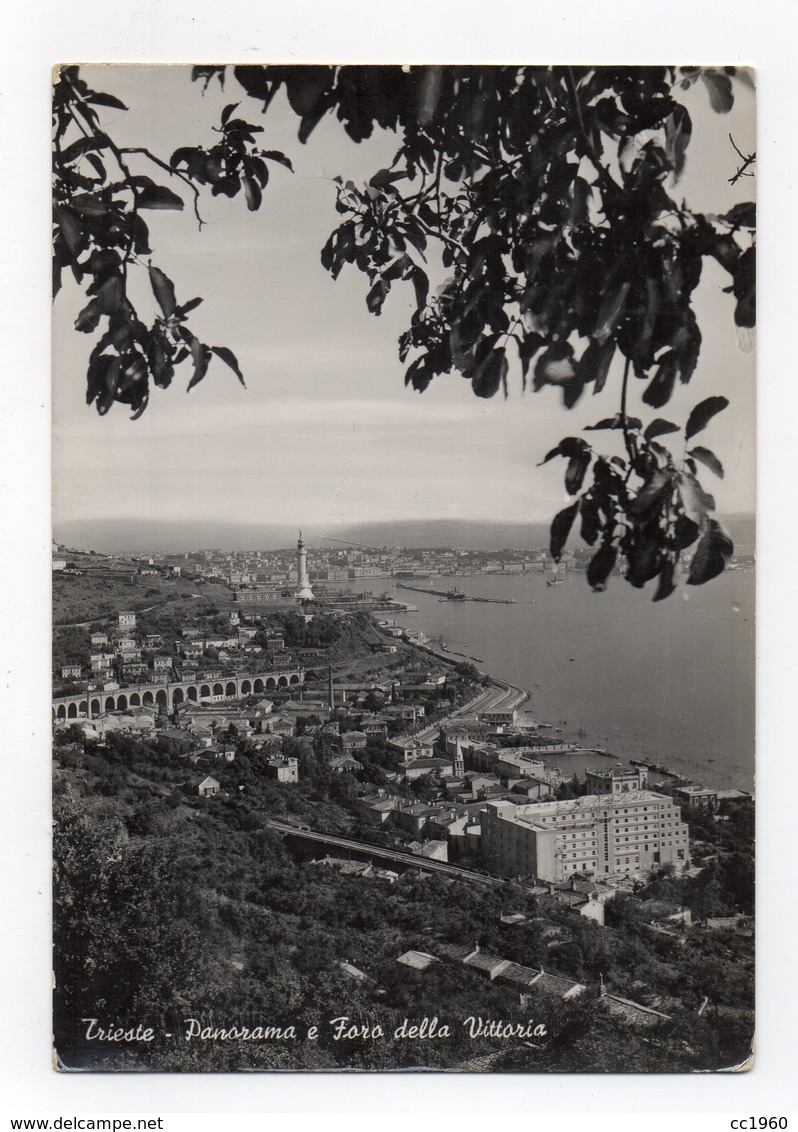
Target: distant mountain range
[
  {"x": 138, "y": 536},
  {"x": 485, "y": 535},
  {"x": 459, "y": 534},
  {"x": 141, "y": 537}
]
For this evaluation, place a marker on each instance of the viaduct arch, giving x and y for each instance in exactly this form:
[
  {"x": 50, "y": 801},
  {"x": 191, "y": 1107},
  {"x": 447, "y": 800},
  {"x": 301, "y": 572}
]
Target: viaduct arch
[{"x": 168, "y": 696}]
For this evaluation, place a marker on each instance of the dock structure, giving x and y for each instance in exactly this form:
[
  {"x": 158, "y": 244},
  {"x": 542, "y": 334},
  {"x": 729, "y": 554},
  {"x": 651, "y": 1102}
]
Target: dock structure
[{"x": 455, "y": 594}]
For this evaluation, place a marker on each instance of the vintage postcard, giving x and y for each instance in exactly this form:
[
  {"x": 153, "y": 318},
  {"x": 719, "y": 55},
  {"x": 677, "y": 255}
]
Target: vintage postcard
[{"x": 403, "y": 568}]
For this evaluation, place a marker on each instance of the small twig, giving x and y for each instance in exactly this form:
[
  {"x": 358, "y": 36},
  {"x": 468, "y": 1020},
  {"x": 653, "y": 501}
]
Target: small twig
[
  {"x": 746, "y": 161},
  {"x": 440, "y": 236}
]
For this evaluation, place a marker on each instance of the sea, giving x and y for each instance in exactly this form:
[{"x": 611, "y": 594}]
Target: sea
[{"x": 670, "y": 683}]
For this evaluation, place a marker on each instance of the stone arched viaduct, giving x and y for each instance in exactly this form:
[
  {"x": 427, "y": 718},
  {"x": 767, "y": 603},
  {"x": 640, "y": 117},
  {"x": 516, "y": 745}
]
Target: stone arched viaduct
[{"x": 168, "y": 696}]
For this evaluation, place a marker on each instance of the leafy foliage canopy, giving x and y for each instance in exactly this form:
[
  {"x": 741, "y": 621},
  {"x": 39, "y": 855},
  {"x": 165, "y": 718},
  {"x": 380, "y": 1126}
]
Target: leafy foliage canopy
[{"x": 546, "y": 195}]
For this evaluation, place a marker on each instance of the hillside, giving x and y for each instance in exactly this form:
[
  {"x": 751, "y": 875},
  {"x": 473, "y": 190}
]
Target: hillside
[{"x": 99, "y": 594}]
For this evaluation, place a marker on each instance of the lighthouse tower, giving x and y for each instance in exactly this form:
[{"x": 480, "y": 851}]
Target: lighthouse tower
[{"x": 303, "y": 590}]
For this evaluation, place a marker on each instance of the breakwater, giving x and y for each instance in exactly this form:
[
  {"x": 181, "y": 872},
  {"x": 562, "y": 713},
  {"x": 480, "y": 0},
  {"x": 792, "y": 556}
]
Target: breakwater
[{"x": 456, "y": 595}]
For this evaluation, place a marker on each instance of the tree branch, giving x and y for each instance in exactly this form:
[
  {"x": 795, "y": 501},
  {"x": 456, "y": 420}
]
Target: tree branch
[
  {"x": 173, "y": 173},
  {"x": 746, "y": 161}
]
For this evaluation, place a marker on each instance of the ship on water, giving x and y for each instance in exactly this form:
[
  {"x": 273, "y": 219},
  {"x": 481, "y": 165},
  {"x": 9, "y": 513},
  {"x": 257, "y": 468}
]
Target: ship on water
[
  {"x": 454, "y": 594},
  {"x": 556, "y": 577}
]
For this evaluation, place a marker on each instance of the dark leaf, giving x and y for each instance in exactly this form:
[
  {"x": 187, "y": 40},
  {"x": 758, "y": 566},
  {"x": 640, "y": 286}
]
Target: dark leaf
[
  {"x": 644, "y": 558},
  {"x": 229, "y": 358},
  {"x": 141, "y": 236},
  {"x": 107, "y": 392},
  {"x": 572, "y": 391},
  {"x": 276, "y": 155},
  {"x": 569, "y": 447},
  {"x": 714, "y": 550},
  {"x": 658, "y": 391},
  {"x": 228, "y": 110},
  {"x": 685, "y": 532},
  {"x": 159, "y": 357},
  {"x": 144, "y": 397},
  {"x": 257, "y": 168},
  {"x": 88, "y": 205},
  {"x": 189, "y": 306},
  {"x": 377, "y": 295},
  {"x": 82, "y": 146},
  {"x": 252, "y": 192},
  {"x": 678, "y": 130},
  {"x": 659, "y": 427},
  {"x": 401, "y": 265},
  {"x": 610, "y": 312},
  {"x": 421, "y": 287},
  {"x": 306, "y": 87},
  {"x": 575, "y": 472},
  {"x": 418, "y": 375},
  {"x": 239, "y": 130},
  {"x": 527, "y": 349},
  {"x": 201, "y": 355},
  {"x": 666, "y": 584},
  {"x": 594, "y": 365},
  {"x": 209, "y": 72},
  {"x": 164, "y": 291},
  {"x": 601, "y": 566},
  {"x": 743, "y": 215},
  {"x": 744, "y": 273},
  {"x": 105, "y": 301},
  {"x": 555, "y": 367},
  {"x": 616, "y": 421},
  {"x": 489, "y": 374},
  {"x": 187, "y": 155},
  {"x": 71, "y": 228},
  {"x": 650, "y": 493},
  {"x": 696, "y": 502},
  {"x": 708, "y": 459},
  {"x": 100, "y": 98},
  {"x": 88, "y": 318},
  {"x": 560, "y": 529},
  {"x": 591, "y": 519},
  {"x": 385, "y": 177},
  {"x": 158, "y": 196},
  {"x": 703, "y": 413},
  {"x": 720, "y": 91},
  {"x": 96, "y": 165},
  {"x": 725, "y": 249}
]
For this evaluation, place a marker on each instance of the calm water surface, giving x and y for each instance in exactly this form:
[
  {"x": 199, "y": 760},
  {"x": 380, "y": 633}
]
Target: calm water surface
[{"x": 672, "y": 682}]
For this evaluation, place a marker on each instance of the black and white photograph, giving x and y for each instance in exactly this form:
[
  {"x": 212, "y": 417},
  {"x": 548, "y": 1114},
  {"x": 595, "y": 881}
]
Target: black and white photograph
[{"x": 403, "y": 568}]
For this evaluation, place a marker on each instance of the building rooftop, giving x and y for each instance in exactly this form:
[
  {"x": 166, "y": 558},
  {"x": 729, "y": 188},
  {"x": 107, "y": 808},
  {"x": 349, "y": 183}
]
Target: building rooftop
[
  {"x": 418, "y": 960},
  {"x": 532, "y": 813}
]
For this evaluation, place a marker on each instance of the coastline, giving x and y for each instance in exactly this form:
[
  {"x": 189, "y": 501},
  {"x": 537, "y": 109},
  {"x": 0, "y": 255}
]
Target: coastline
[{"x": 683, "y": 740}]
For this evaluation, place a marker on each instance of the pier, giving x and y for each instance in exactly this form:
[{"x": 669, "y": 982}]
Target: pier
[{"x": 448, "y": 595}]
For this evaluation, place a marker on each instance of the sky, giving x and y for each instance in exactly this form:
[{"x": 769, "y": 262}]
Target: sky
[{"x": 326, "y": 435}]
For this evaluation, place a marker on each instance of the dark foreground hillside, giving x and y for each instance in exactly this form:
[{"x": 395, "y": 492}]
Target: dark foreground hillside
[{"x": 189, "y": 919}]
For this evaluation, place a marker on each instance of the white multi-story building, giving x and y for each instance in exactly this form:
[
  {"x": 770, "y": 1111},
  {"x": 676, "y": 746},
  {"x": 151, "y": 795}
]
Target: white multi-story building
[
  {"x": 603, "y": 835},
  {"x": 618, "y": 780}
]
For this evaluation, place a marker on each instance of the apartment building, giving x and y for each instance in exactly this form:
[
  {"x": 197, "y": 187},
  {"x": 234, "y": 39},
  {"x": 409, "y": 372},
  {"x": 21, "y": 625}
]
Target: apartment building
[{"x": 607, "y": 834}]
